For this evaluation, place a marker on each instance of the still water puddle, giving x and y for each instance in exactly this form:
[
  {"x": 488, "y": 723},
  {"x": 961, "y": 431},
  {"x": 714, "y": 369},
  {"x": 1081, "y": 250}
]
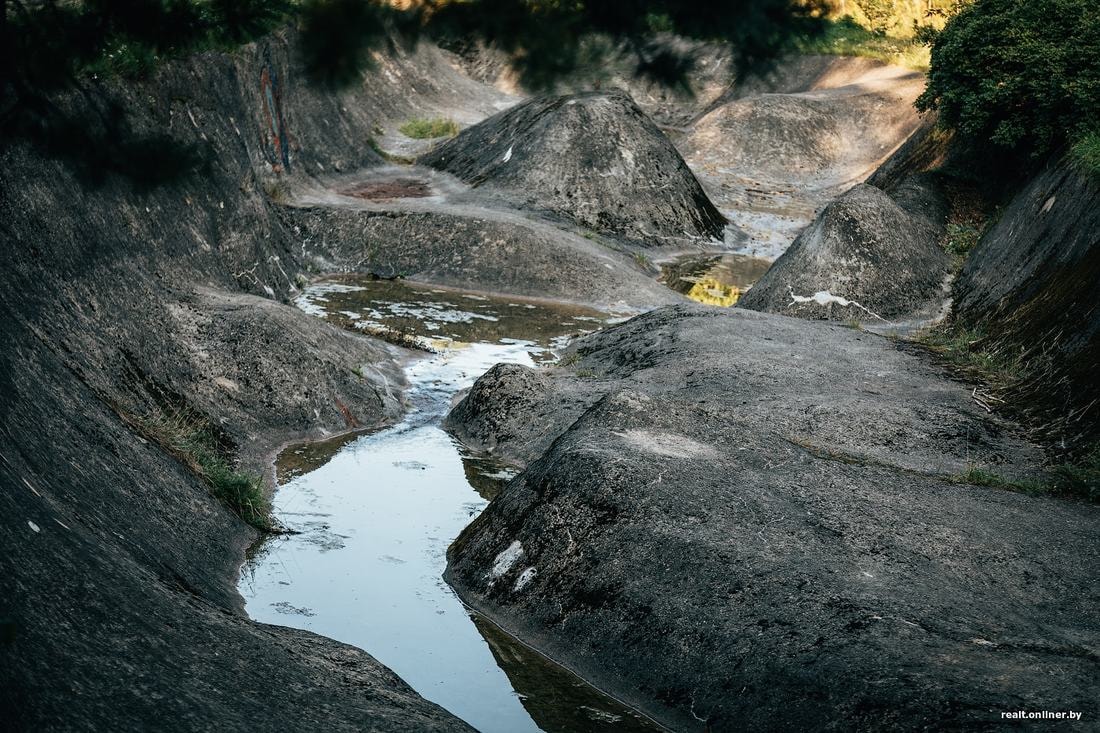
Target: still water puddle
[
  {"x": 377, "y": 512},
  {"x": 714, "y": 279}
]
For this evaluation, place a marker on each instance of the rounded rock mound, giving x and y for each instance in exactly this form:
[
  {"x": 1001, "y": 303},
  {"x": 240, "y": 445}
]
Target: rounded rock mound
[
  {"x": 594, "y": 158},
  {"x": 821, "y": 135},
  {"x": 863, "y": 257}
]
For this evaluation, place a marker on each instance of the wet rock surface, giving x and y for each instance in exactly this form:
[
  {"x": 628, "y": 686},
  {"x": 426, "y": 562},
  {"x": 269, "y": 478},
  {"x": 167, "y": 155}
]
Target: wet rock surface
[
  {"x": 864, "y": 258},
  {"x": 742, "y": 520},
  {"x": 478, "y": 248},
  {"x": 544, "y": 155}
]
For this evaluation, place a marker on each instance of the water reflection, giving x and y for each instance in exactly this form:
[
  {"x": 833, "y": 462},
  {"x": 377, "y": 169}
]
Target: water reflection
[
  {"x": 714, "y": 279},
  {"x": 376, "y": 512},
  {"x": 555, "y": 698},
  {"x": 436, "y": 318}
]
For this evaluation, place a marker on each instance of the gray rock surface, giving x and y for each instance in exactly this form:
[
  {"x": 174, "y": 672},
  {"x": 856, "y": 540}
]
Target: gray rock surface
[
  {"x": 743, "y": 521},
  {"x": 477, "y": 248},
  {"x": 772, "y": 152},
  {"x": 118, "y": 609},
  {"x": 863, "y": 258},
  {"x": 594, "y": 158},
  {"x": 1032, "y": 285}
]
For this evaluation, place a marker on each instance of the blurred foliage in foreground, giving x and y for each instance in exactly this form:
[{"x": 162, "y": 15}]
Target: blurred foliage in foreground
[{"x": 49, "y": 43}]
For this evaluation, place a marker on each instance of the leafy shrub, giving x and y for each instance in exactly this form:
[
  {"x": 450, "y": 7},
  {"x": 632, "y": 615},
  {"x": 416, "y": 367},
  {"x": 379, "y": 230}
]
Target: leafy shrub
[{"x": 1018, "y": 77}]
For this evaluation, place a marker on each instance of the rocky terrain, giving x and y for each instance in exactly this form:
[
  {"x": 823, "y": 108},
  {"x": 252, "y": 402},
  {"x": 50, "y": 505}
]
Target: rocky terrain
[
  {"x": 864, "y": 258},
  {"x": 727, "y": 518},
  {"x": 125, "y": 311},
  {"x": 773, "y": 152},
  {"x": 736, "y": 520},
  {"x": 1031, "y": 285},
  {"x": 543, "y": 154}
]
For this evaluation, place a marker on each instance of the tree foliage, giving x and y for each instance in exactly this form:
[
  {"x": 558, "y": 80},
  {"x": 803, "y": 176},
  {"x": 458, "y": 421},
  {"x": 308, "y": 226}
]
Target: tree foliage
[
  {"x": 1018, "y": 80},
  {"x": 48, "y": 43},
  {"x": 51, "y": 45}
]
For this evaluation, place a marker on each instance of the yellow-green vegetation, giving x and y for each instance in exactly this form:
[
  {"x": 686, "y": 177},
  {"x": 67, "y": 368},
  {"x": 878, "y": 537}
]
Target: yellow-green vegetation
[
  {"x": 846, "y": 37},
  {"x": 423, "y": 129},
  {"x": 192, "y": 441},
  {"x": 710, "y": 291},
  {"x": 898, "y": 18}
]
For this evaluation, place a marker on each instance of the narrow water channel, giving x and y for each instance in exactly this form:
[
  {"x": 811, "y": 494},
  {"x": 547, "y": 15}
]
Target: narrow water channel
[{"x": 377, "y": 512}]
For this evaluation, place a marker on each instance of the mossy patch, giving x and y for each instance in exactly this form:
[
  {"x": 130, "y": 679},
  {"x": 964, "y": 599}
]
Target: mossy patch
[{"x": 422, "y": 129}]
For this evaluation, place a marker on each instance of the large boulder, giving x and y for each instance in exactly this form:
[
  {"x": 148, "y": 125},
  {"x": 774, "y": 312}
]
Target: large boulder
[
  {"x": 863, "y": 258},
  {"x": 594, "y": 158},
  {"x": 743, "y": 521}
]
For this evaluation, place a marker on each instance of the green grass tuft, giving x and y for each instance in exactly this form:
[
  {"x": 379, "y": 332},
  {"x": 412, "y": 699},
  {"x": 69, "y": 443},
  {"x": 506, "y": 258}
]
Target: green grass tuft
[
  {"x": 970, "y": 352},
  {"x": 1085, "y": 154},
  {"x": 193, "y": 442},
  {"x": 423, "y": 129},
  {"x": 1078, "y": 479}
]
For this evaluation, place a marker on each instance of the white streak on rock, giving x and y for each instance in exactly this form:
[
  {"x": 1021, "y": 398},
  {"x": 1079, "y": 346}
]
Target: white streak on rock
[
  {"x": 824, "y": 297},
  {"x": 524, "y": 578},
  {"x": 506, "y": 560},
  {"x": 508, "y": 155}
]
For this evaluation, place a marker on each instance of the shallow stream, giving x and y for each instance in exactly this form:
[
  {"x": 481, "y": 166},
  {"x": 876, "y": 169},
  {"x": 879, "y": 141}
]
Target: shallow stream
[{"x": 376, "y": 513}]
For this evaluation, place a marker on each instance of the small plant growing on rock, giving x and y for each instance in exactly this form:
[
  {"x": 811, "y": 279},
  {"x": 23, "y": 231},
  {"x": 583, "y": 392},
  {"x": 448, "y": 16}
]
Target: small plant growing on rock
[
  {"x": 1078, "y": 479},
  {"x": 192, "y": 441},
  {"x": 961, "y": 239},
  {"x": 1085, "y": 155},
  {"x": 975, "y": 356},
  {"x": 424, "y": 129}
]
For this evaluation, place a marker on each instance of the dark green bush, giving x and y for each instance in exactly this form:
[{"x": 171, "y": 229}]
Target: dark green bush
[{"x": 1018, "y": 80}]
